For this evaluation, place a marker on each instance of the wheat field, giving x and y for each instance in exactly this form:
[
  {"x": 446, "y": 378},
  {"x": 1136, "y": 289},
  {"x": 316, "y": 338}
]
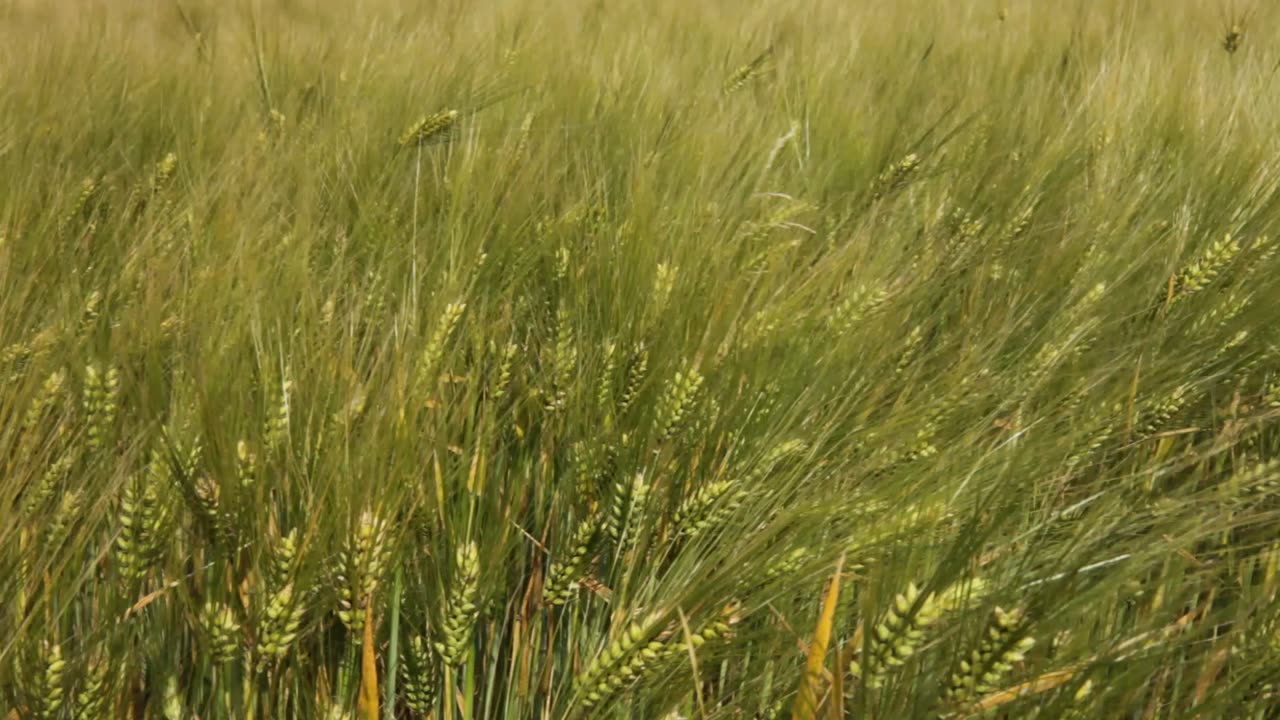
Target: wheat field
[{"x": 665, "y": 361}]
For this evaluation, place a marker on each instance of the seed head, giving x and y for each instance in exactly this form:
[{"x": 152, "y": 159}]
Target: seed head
[
  {"x": 743, "y": 74},
  {"x": 143, "y": 521},
  {"x": 418, "y": 674},
  {"x": 678, "y": 401},
  {"x": 896, "y": 176},
  {"x": 101, "y": 400},
  {"x": 361, "y": 566},
  {"x": 275, "y": 429},
  {"x": 246, "y": 464},
  {"x": 461, "y": 617},
  {"x": 568, "y": 569},
  {"x": 279, "y": 625},
  {"x": 223, "y": 631},
  {"x": 428, "y": 371},
  {"x": 429, "y": 128}
]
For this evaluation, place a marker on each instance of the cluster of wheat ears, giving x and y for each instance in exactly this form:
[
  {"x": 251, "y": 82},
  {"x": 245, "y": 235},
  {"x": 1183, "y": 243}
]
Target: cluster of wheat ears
[{"x": 806, "y": 388}]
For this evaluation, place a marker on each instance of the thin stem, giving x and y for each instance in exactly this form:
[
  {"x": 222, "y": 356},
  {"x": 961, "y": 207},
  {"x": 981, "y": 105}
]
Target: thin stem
[
  {"x": 448, "y": 694},
  {"x": 393, "y": 651},
  {"x": 413, "y": 273},
  {"x": 469, "y": 685}
]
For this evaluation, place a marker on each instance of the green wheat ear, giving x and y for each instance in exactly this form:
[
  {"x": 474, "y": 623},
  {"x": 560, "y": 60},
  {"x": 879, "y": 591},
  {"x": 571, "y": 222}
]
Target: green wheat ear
[
  {"x": 40, "y": 683},
  {"x": 861, "y": 304},
  {"x": 708, "y": 507},
  {"x": 663, "y": 283},
  {"x": 643, "y": 649},
  {"x": 1271, "y": 393},
  {"x": 284, "y": 560},
  {"x": 616, "y": 513},
  {"x": 502, "y": 377},
  {"x": 94, "y": 691},
  {"x": 143, "y": 523},
  {"x": 430, "y": 128},
  {"x": 361, "y": 566},
  {"x": 739, "y": 78},
  {"x": 1004, "y": 644},
  {"x": 47, "y": 488},
  {"x": 91, "y": 311},
  {"x": 101, "y": 401},
  {"x": 519, "y": 151},
  {"x": 620, "y": 662},
  {"x": 897, "y": 636},
  {"x": 594, "y": 465},
  {"x": 605, "y": 386},
  {"x": 1205, "y": 269},
  {"x": 89, "y": 188},
  {"x": 910, "y": 350},
  {"x": 279, "y": 625},
  {"x": 69, "y": 511},
  {"x": 160, "y": 178},
  {"x": 275, "y": 430},
  {"x": 719, "y": 627},
  {"x": 163, "y": 172},
  {"x": 211, "y": 507},
  {"x": 784, "y": 566},
  {"x": 677, "y": 402},
  {"x": 428, "y": 370},
  {"x": 569, "y": 568},
  {"x": 419, "y": 674},
  {"x": 896, "y": 177},
  {"x": 48, "y": 396},
  {"x": 460, "y": 619},
  {"x": 223, "y": 632},
  {"x": 246, "y": 464},
  {"x": 563, "y": 361},
  {"x": 637, "y": 371},
  {"x": 627, "y": 510}
]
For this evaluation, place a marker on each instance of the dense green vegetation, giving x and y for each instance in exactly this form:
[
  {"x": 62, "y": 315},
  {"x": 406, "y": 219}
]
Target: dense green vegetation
[{"x": 639, "y": 360}]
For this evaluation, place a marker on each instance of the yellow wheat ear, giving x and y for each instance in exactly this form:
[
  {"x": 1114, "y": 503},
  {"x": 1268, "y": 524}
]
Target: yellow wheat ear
[{"x": 806, "y": 707}]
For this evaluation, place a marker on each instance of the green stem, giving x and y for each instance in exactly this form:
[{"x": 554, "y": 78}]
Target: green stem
[
  {"x": 393, "y": 652},
  {"x": 448, "y": 694},
  {"x": 250, "y": 694},
  {"x": 469, "y": 685}
]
